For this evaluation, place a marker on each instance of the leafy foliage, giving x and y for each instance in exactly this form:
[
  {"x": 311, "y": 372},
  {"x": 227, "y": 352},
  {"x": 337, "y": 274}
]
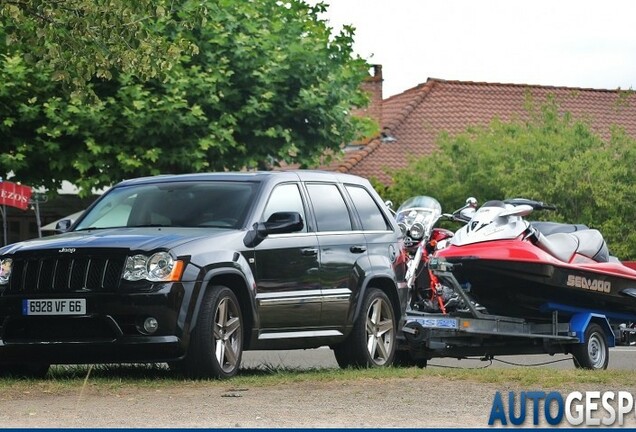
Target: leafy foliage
[
  {"x": 270, "y": 85},
  {"x": 81, "y": 39},
  {"x": 550, "y": 157}
]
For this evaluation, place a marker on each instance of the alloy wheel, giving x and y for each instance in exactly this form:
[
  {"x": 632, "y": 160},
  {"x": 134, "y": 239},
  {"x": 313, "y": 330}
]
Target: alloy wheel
[
  {"x": 227, "y": 334},
  {"x": 380, "y": 331}
]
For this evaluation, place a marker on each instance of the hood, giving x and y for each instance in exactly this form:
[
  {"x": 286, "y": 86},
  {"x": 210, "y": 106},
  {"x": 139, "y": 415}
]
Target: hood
[{"x": 142, "y": 239}]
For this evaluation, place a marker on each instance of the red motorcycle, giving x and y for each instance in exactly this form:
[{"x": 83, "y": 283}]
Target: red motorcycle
[{"x": 417, "y": 218}]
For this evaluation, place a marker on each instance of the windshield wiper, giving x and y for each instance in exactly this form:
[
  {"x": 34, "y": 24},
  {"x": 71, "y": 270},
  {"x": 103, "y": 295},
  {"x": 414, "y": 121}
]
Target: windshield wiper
[
  {"x": 123, "y": 226},
  {"x": 91, "y": 228},
  {"x": 147, "y": 226}
]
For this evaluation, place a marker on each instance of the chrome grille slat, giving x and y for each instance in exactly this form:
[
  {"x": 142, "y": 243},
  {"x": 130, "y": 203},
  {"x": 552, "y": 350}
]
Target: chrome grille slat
[
  {"x": 77, "y": 278},
  {"x": 61, "y": 274},
  {"x": 31, "y": 273},
  {"x": 95, "y": 272},
  {"x": 17, "y": 278},
  {"x": 47, "y": 268},
  {"x": 112, "y": 272}
]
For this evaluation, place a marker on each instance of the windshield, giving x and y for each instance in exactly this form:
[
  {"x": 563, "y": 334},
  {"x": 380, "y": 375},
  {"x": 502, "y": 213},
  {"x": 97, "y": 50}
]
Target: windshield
[
  {"x": 422, "y": 209},
  {"x": 180, "y": 204}
]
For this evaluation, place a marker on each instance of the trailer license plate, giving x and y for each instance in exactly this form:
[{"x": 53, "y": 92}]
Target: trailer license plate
[
  {"x": 438, "y": 322},
  {"x": 54, "y": 307}
]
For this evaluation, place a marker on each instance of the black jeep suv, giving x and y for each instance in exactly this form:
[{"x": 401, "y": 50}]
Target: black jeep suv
[{"x": 193, "y": 269}]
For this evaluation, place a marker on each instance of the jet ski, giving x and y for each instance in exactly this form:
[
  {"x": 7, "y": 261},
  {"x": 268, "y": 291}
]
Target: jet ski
[{"x": 516, "y": 268}]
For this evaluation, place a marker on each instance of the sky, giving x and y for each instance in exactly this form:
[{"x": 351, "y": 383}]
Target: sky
[{"x": 570, "y": 43}]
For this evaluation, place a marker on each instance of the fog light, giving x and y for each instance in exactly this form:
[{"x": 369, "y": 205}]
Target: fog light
[{"x": 151, "y": 325}]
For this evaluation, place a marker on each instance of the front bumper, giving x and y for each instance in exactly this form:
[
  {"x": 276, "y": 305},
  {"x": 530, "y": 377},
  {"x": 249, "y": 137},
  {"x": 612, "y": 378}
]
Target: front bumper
[
  {"x": 111, "y": 331},
  {"x": 154, "y": 349}
]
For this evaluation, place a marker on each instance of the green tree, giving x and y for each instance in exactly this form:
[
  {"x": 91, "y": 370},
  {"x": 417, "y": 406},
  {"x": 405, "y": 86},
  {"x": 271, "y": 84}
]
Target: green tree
[
  {"x": 270, "y": 85},
  {"x": 81, "y": 39},
  {"x": 549, "y": 157}
]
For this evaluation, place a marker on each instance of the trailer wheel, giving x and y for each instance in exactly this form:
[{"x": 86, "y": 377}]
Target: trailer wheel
[{"x": 594, "y": 352}]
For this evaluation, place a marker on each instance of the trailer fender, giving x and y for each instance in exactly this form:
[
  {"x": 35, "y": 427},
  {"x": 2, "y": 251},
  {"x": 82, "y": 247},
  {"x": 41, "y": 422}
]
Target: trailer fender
[{"x": 580, "y": 321}]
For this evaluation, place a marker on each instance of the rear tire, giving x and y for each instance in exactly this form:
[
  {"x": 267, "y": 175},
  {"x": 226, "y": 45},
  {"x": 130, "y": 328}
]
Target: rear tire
[
  {"x": 593, "y": 353},
  {"x": 404, "y": 358},
  {"x": 372, "y": 340},
  {"x": 216, "y": 344}
]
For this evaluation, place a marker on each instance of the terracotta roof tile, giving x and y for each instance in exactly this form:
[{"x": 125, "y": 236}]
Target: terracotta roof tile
[{"x": 416, "y": 117}]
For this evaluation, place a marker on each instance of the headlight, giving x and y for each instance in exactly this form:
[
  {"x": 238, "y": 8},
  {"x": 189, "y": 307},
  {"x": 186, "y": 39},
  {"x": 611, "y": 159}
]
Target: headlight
[
  {"x": 417, "y": 231},
  {"x": 159, "y": 267},
  {"x": 6, "y": 265}
]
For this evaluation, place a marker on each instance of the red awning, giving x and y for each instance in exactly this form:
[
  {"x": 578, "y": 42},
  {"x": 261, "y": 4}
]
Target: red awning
[{"x": 14, "y": 195}]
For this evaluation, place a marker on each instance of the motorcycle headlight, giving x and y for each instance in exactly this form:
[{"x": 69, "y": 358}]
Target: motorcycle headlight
[
  {"x": 417, "y": 231},
  {"x": 159, "y": 267},
  {"x": 6, "y": 265}
]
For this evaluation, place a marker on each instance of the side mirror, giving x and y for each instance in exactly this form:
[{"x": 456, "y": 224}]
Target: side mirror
[
  {"x": 389, "y": 206},
  {"x": 278, "y": 223},
  {"x": 63, "y": 225},
  {"x": 283, "y": 223}
]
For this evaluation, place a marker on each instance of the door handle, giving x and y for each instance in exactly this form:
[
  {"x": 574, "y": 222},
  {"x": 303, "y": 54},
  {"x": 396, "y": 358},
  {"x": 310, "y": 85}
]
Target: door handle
[
  {"x": 309, "y": 252},
  {"x": 358, "y": 249}
]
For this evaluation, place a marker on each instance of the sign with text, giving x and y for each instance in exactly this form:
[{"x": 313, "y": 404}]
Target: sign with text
[{"x": 14, "y": 195}]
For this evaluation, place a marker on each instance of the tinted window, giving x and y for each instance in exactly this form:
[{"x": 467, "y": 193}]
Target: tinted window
[
  {"x": 329, "y": 207},
  {"x": 369, "y": 212},
  {"x": 285, "y": 198}
]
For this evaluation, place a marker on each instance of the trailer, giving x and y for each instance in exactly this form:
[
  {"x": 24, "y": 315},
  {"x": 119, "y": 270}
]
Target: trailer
[{"x": 587, "y": 335}]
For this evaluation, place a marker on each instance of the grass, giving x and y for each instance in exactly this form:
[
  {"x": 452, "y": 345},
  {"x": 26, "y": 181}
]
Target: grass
[{"x": 108, "y": 379}]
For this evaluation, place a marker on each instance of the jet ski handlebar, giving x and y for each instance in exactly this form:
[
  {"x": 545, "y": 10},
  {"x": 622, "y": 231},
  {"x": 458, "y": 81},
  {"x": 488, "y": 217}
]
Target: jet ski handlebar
[
  {"x": 536, "y": 205},
  {"x": 464, "y": 213}
]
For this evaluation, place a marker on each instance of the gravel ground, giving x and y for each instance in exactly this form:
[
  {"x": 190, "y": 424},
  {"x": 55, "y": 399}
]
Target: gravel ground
[{"x": 426, "y": 402}]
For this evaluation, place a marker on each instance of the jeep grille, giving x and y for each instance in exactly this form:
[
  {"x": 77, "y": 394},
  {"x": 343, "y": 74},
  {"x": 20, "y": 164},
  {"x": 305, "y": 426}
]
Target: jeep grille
[{"x": 65, "y": 274}]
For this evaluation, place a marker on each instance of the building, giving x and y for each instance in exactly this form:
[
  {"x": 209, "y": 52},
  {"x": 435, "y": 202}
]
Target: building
[{"x": 411, "y": 121}]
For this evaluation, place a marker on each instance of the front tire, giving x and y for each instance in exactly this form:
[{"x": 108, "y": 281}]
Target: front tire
[
  {"x": 24, "y": 370},
  {"x": 372, "y": 340},
  {"x": 594, "y": 352},
  {"x": 216, "y": 344}
]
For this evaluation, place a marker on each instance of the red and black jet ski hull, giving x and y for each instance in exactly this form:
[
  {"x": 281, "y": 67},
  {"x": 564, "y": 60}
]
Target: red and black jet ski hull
[{"x": 515, "y": 278}]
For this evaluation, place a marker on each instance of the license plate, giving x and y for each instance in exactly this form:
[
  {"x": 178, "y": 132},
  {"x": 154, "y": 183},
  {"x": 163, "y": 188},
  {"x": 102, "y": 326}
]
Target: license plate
[
  {"x": 54, "y": 307},
  {"x": 437, "y": 322}
]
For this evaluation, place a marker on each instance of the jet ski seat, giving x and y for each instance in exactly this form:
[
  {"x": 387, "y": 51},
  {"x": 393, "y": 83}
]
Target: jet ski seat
[
  {"x": 592, "y": 245},
  {"x": 547, "y": 228},
  {"x": 563, "y": 245}
]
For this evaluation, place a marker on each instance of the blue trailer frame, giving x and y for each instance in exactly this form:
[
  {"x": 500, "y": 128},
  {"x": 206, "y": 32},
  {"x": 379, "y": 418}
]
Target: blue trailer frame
[{"x": 585, "y": 334}]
